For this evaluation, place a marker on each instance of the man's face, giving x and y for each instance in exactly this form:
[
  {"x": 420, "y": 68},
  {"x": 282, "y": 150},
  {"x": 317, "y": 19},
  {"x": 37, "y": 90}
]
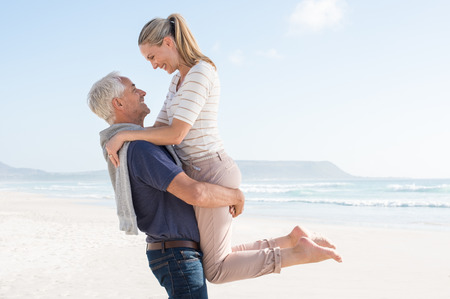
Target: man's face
[{"x": 133, "y": 101}]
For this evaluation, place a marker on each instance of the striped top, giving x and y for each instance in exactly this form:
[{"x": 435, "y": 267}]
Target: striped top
[{"x": 196, "y": 102}]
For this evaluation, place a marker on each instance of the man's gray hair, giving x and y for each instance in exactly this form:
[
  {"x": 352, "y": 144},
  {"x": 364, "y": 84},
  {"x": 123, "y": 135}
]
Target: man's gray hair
[{"x": 102, "y": 93}]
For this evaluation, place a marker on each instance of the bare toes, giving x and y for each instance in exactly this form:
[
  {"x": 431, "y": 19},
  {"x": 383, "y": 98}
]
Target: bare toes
[
  {"x": 315, "y": 253},
  {"x": 322, "y": 241}
]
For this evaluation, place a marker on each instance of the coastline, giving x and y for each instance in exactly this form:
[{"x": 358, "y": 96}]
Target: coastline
[{"x": 59, "y": 247}]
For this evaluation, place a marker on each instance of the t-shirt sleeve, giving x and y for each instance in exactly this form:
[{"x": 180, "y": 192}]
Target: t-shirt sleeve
[
  {"x": 194, "y": 93},
  {"x": 151, "y": 165}
]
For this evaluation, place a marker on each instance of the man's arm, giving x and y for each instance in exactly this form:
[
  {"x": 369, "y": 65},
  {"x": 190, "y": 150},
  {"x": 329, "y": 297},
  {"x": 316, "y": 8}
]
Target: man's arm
[{"x": 206, "y": 195}]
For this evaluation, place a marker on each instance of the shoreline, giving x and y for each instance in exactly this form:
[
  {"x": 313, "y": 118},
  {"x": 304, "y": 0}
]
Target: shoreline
[{"x": 53, "y": 248}]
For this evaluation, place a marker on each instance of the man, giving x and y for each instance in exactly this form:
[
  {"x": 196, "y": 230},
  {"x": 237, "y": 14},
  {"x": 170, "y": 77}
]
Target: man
[
  {"x": 155, "y": 195},
  {"x": 156, "y": 184}
]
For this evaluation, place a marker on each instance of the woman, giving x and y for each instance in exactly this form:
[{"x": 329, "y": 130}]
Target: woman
[{"x": 188, "y": 120}]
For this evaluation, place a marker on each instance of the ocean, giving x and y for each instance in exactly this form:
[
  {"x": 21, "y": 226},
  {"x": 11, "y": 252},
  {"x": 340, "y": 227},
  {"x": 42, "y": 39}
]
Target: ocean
[{"x": 422, "y": 204}]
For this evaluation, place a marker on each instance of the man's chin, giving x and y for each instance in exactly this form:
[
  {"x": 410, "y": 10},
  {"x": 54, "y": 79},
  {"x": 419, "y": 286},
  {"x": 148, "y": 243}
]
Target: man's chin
[{"x": 145, "y": 108}]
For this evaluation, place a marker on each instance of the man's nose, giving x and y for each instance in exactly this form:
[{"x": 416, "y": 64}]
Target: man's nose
[
  {"x": 143, "y": 93},
  {"x": 154, "y": 65}
]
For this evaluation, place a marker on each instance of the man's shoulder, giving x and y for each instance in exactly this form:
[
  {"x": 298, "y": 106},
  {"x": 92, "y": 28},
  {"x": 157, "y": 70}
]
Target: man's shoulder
[
  {"x": 145, "y": 145},
  {"x": 140, "y": 151},
  {"x": 151, "y": 164}
]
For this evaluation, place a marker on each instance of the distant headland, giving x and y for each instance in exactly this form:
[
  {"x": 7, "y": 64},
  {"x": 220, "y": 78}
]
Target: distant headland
[{"x": 251, "y": 170}]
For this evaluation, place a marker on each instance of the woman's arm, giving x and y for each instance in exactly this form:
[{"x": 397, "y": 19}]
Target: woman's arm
[
  {"x": 159, "y": 124},
  {"x": 159, "y": 135}
]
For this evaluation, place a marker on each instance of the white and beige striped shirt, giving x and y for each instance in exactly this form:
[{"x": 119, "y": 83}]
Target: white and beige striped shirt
[{"x": 196, "y": 102}]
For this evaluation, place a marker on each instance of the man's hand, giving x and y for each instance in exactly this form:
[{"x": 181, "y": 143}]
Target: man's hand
[{"x": 237, "y": 209}]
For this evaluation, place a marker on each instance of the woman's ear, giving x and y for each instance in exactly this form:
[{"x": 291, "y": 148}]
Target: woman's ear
[{"x": 168, "y": 41}]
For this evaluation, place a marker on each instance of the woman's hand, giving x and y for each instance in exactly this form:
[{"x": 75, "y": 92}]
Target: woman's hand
[{"x": 113, "y": 146}]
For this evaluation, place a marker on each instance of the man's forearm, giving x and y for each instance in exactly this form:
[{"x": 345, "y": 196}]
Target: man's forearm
[
  {"x": 204, "y": 194},
  {"x": 215, "y": 196}
]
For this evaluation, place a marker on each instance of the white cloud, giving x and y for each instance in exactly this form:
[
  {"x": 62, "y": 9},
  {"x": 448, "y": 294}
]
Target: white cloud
[
  {"x": 316, "y": 15},
  {"x": 271, "y": 54},
  {"x": 237, "y": 58}
]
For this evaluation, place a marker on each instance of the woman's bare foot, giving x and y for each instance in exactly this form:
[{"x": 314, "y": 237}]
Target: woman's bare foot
[
  {"x": 298, "y": 232},
  {"x": 314, "y": 253},
  {"x": 306, "y": 251}
]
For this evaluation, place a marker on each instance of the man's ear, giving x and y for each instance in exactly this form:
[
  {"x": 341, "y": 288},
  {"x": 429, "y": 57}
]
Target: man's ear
[{"x": 117, "y": 103}]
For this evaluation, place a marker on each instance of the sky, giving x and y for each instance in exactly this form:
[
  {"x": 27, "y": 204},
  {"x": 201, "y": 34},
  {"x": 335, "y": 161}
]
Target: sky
[{"x": 362, "y": 84}]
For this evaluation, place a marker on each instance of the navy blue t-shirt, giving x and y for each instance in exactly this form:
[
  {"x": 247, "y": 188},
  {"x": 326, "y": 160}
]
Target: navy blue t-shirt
[{"x": 161, "y": 215}]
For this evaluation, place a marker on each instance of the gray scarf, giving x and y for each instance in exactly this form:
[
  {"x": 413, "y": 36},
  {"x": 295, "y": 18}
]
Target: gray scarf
[{"x": 120, "y": 179}]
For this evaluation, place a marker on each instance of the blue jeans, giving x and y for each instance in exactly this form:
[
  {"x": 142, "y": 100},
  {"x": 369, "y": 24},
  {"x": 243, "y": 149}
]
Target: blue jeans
[{"x": 180, "y": 271}]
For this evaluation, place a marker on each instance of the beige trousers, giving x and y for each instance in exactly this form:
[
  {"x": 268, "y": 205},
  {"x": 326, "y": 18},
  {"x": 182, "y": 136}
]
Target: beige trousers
[{"x": 221, "y": 262}]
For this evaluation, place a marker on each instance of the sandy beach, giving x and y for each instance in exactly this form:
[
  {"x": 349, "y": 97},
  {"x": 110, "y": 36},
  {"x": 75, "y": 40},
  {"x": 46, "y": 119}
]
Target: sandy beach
[{"x": 61, "y": 248}]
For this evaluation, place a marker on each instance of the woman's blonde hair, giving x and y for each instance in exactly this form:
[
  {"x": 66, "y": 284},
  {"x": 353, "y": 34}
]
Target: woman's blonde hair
[{"x": 175, "y": 26}]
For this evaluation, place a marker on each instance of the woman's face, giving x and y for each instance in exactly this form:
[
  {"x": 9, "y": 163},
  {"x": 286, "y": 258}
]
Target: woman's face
[{"x": 164, "y": 57}]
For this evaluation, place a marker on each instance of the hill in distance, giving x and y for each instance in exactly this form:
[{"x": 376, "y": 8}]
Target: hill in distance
[
  {"x": 9, "y": 173},
  {"x": 291, "y": 170},
  {"x": 251, "y": 170}
]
